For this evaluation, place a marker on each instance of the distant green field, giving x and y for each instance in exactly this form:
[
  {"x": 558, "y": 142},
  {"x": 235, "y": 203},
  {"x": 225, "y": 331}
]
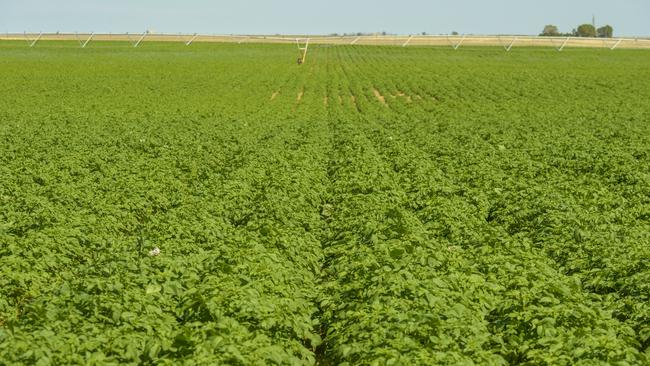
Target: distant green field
[{"x": 374, "y": 206}]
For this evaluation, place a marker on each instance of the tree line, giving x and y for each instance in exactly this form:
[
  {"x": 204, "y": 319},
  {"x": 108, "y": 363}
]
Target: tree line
[{"x": 583, "y": 30}]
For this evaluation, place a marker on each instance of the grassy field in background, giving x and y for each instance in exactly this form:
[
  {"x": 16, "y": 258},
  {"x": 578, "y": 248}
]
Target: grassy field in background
[{"x": 376, "y": 205}]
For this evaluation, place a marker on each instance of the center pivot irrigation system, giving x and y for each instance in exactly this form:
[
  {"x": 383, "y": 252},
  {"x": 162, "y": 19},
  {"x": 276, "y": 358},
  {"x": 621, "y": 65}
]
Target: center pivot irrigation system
[{"x": 507, "y": 42}]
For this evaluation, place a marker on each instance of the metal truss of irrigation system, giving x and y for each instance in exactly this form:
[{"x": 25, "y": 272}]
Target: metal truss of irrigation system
[{"x": 453, "y": 41}]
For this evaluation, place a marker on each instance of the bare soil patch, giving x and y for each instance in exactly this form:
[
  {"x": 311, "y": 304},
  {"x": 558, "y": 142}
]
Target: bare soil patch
[
  {"x": 404, "y": 95},
  {"x": 379, "y": 97}
]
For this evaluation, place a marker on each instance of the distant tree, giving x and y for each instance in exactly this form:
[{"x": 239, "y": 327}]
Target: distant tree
[
  {"x": 454, "y": 33},
  {"x": 550, "y": 30},
  {"x": 383, "y": 33},
  {"x": 424, "y": 33},
  {"x": 586, "y": 30},
  {"x": 606, "y": 31}
]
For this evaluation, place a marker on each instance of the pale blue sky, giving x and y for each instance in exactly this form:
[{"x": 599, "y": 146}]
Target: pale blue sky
[{"x": 629, "y": 17}]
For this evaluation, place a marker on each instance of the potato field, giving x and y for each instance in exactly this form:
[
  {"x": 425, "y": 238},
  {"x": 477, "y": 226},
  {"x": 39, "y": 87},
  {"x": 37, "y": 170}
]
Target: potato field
[{"x": 374, "y": 206}]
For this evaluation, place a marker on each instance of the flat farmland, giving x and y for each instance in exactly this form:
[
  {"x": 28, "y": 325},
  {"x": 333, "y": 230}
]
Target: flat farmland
[{"x": 374, "y": 206}]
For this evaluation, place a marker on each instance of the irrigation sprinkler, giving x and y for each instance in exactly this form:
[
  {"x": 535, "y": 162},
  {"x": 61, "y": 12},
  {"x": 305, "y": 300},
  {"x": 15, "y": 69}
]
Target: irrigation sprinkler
[
  {"x": 616, "y": 44},
  {"x": 302, "y": 50},
  {"x": 141, "y": 38},
  {"x": 455, "y": 46},
  {"x": 192, "y": 39},
  {"x": 36, "y": 40},
  {"x": 30, "y": 42},
  {"x": 407, "y": 41},
  {"x": 88, "y": 40},
  {"x": 561, "y": 46},
  {"x": 83, "y": 44},
  {"x": 509, "y": 46}
]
